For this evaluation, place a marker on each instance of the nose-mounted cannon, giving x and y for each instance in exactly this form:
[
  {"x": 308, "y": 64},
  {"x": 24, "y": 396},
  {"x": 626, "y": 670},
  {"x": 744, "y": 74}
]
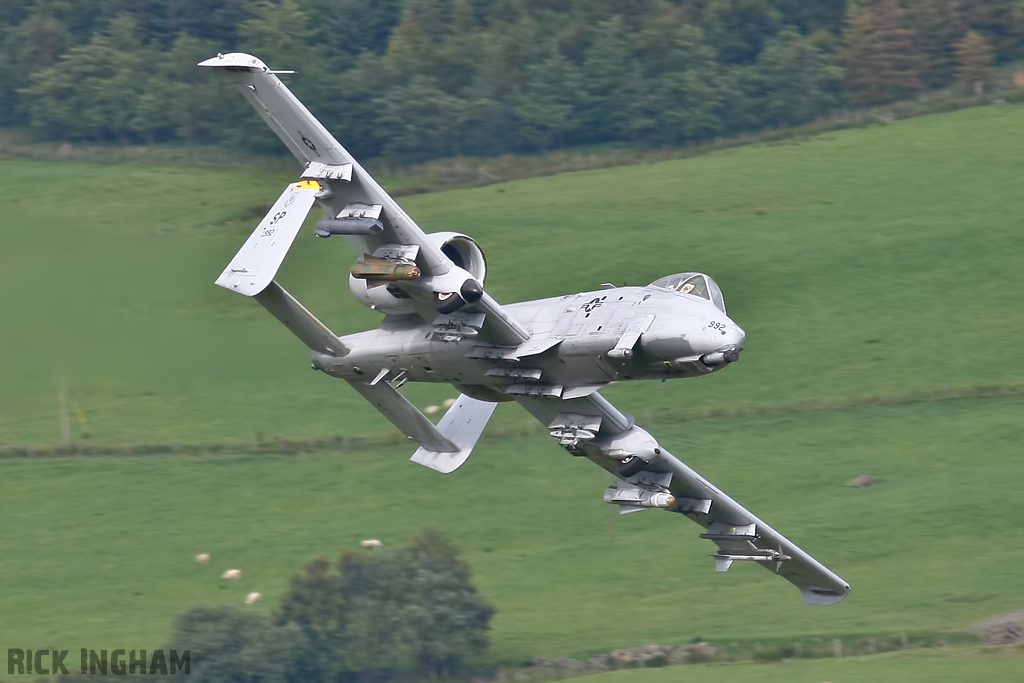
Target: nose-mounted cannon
[{"x": 721, "y": 357}]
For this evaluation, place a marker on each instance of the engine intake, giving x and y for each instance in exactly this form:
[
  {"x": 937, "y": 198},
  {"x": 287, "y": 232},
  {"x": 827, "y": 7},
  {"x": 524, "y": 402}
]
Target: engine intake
[{"x": 463, "y": 251}]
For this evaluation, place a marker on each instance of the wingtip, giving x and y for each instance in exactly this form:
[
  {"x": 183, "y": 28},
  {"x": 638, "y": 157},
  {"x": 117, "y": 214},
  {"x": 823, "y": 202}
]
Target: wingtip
[
  {"x": 814, "y": 595},
  {"x": 237, "y": 60}
]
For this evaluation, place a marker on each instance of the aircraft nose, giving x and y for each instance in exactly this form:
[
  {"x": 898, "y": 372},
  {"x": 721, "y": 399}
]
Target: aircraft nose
[
  {"x": 728, "y": 342},
  {"x": 736, "y": 335}
]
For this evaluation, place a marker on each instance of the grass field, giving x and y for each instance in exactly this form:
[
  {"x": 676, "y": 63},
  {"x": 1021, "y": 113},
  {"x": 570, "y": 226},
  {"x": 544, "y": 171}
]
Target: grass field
[
  {"x": 872, "y": 269},
  {"x": 870, "y": 262},
  {"x": 931, "y": 666},
  {"x": 116, "y": 536}
]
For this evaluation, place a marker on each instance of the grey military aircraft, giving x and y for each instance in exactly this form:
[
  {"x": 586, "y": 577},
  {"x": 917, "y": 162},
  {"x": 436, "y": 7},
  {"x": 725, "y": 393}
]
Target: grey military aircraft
[{"x": 552, "y": 356}]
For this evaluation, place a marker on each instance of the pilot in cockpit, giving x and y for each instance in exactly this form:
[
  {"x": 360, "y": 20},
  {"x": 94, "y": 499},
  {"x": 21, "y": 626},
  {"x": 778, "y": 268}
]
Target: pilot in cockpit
[{"x": 695, "y": 286}]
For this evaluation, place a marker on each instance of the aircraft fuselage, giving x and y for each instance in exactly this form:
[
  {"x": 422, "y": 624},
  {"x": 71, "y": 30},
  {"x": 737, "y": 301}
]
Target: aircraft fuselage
[{"x": 572, "y": 347}]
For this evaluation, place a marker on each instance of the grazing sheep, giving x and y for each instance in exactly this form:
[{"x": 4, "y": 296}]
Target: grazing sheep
[
  {"x": 862, "y": 480},
  {"x": 370, "y": 543},
  {"x": 252, "y": 598},
  {"x": 202, "y": 558},
  {"x": 449, "y": 402},
  {"x": 430, "y": 410},
  {"x": 232, "y": 574}
]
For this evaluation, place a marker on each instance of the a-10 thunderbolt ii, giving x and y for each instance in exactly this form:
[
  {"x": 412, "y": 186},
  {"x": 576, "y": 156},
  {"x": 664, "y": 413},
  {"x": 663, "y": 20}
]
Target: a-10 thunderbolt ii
[{"x": 552, "y": 356}]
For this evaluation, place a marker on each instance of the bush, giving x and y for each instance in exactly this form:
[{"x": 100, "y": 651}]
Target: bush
[
  {"x": 375, "y": 612},
  {"x": 387, "y": 606},
  {"x": 231, "y": 645}
]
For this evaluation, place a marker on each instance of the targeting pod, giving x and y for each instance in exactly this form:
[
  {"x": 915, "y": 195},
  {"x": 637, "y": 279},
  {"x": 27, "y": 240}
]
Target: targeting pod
[{"x": 626, "y": 494}]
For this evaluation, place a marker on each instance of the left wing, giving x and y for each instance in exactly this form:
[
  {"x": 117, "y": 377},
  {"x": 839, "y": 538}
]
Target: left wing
[
  {"x": 593, "y": 427},
  {"x": 356, "y": 205}
]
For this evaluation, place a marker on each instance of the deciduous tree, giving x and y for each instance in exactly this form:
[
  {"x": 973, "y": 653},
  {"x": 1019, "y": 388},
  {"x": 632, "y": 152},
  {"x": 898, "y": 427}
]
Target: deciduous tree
[
  {"x": 974, "y": 60},
  {"x": 937, "y": 26},
  {"x": 94, "y": 89},
  {"x": 859, "y": 54},
  {"x": 612, "y": 81},
  {"x": 682, "y": 97},
  {"x": 738, "y": 29},
  {"x": 544, "y": 107},
  {"x": 899, "y": 57},
  {"x": 386, "y": 606},
  {"x": 882, "y": 60},
  {"x": 1000, "y": 22},
  {"x": 791, "y": 82}
]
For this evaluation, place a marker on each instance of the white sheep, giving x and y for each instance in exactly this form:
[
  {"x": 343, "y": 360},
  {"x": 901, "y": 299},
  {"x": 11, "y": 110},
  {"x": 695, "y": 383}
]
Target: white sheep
[
  {"x": 232, "y": 574},
  {"x": 449, "y": 402},
  {"x": 370, "y": 543},
  {"x": 202, "y": 558},
  {"x": 430, "y": 410},
  {"x": 252, "y": 598}
]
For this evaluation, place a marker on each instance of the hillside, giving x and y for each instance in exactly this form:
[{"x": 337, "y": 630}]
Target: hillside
[
  {"x": 866, "y": 265},
  {"x": 876, "y": 272}
]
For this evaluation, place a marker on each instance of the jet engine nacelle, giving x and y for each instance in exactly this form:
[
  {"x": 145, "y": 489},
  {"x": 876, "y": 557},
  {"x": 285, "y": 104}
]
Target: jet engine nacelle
[{"x": 451, "y": 291}]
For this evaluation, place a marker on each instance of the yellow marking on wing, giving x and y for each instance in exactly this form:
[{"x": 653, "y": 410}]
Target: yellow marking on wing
[{"x": 307, "y": 185}]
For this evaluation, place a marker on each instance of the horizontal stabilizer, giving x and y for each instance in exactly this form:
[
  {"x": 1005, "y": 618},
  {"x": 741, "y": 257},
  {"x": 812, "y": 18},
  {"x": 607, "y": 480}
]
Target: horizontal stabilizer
[
  {"x": 463, "y": 424},
  {"x": 257, "y": 262},
  {"x": 405, "y": 416},
  {"x": 300, "y": 321}
]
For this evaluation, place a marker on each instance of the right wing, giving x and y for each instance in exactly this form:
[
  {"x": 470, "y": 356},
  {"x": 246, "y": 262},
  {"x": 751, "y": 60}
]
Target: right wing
[
  {"x": 355, "y": 204},
  {"x": 593, "y": 427}
]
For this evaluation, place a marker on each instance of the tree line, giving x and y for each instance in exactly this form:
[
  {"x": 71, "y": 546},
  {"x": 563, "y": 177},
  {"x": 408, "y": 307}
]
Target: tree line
[{"x": 419, "y": 79}]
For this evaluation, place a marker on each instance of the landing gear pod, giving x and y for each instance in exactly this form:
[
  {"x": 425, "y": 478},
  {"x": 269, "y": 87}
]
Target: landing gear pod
[
  {"x": 632, "y": 465},
  {"x": 633, "y": 448},
  {"x": 449, "y": 302}
]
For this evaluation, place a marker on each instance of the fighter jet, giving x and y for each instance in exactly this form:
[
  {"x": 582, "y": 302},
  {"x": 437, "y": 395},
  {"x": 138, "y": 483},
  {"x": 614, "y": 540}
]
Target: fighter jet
[{"x": 552, "y": 356}]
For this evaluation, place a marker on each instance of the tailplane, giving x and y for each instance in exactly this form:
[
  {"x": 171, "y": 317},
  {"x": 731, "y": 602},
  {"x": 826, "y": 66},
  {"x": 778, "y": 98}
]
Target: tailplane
[{"x": 462, "y": 424}]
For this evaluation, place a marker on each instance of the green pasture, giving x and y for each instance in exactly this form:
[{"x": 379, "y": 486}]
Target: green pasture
[
  {"x": 920, "y": 666},
  {"x": 876, "y": 271},
  {"x": 101, "y": 549},
  {"x": 868, "y": 263}
]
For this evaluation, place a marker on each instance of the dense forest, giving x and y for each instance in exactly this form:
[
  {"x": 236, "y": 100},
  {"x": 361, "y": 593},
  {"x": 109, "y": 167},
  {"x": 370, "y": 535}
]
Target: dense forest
[{"x": 418, "y": 79}]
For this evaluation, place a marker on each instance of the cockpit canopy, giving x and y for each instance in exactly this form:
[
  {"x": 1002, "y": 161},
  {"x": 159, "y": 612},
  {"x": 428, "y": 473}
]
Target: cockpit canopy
[{"x": 694, "y": 284}]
